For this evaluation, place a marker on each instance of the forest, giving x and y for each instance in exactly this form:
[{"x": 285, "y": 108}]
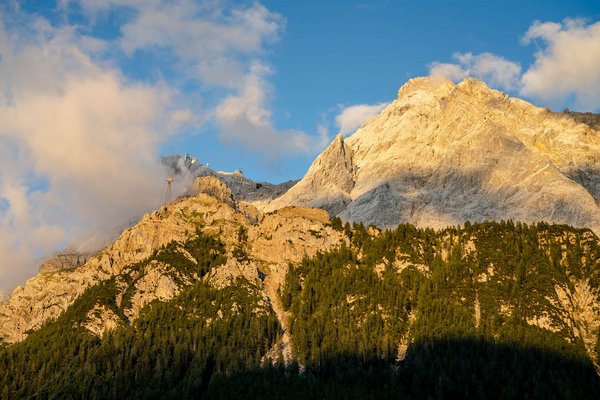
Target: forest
[{"x": 406, "y": 313}]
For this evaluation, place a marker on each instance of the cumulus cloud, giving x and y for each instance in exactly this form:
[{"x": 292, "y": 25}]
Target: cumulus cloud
[
  {"x": 352, "y": 117},
  {"x": 566, "y": 69},
  {"x": 244, "y": 119},
  {"x": 78, "y": 146},
  {"x": 223, "y": 48},
  {"x": 454, "y": 72},
  {"x": 567, "y": 65},
  {"x": 495, "y": 70}
]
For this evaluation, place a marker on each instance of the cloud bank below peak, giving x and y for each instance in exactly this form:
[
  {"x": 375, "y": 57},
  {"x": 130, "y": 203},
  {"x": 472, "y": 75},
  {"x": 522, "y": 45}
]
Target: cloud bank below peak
[
  {"x": 78, "y": 145},
  {"x": 566, "y": 67}
]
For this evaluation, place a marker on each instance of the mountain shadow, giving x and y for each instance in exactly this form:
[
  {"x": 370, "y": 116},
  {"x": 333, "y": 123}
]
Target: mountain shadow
[{"x": 448, "y": 369}]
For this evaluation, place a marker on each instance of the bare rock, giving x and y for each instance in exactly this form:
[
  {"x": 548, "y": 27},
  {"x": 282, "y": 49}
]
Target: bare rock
[
  {"x": 581, "y": 311},
  {"x": 65, "y": 260},
  {"x": 101, "y": 319},
  {"x": 327, "y": 184},
  {"x": 268, "y": 244},
  {"x": 213, "y": 187},
  {"x": 441, "y": 154},
  {"x": 47, "y": 295},
  {"x": 157, "y": 283},
  {"x": 292, "y": 233}
]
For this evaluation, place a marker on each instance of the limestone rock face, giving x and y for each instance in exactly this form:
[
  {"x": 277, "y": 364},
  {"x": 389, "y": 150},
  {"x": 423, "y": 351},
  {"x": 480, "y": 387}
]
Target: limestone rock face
[
  {"x": 101, "y": 319},
  {"x": 47, "y": 295},
  {"x": 290, "y": 234},
  {"x": 441, "y": 154},
  {"x": 156, "y": 284}
]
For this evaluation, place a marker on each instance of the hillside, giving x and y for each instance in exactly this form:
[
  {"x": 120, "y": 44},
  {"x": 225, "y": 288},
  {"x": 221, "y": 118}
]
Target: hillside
[
  {"x": 175, "y": 308},
  {"x": 252, "y": 240},
  {"x": 442, "y": 154}
]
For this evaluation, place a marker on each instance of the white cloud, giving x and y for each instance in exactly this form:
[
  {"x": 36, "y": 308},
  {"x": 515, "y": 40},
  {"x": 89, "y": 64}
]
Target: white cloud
[
  {"x": 214, "y": 41},
  {"x": 566, "y": 69},
  {"x": 244, "y": 119},
  {"x": 219, "y": 44},
  {"x": 78, "y": 146},
  {"x": 568, "y": 64},
  {"x": 453, "y": 72},
  {"x": 352, "y": 117},
  {"x": 495, "y": 70}
]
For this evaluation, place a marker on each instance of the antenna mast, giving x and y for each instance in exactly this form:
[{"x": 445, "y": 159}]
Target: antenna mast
[{"x": 168, "y": 192}]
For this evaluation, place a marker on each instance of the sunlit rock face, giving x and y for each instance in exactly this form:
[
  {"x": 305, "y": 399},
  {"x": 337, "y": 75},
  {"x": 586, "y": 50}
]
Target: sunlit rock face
[{"x": 444, "y": 153}]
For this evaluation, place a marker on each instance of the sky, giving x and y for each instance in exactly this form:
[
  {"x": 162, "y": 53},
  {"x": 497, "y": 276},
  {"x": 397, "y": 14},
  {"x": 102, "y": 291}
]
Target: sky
[{"x": 92, "y": 93}]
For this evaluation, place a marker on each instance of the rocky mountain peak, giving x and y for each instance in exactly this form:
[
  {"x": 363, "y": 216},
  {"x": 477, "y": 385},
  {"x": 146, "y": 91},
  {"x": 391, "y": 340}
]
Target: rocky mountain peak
[
  {"x": 430, "y": 85},
  {"x": 213, "y": 187},
  {"x": 441, "y": 154}
]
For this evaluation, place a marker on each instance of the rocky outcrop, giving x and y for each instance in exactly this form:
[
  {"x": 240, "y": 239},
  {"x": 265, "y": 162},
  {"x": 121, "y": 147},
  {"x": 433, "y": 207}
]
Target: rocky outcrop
[
  {"x": 285, "y": 236},
  {"x": 68, "y": 259},
  {"x": 581, "y": 311},
  {"x": 213, "y": 187},
  {"x": 101, "y": 319},
  {"x": 157, "y": 283},
  {"x": 47, "y": 295},
  {"x": 441, "y": 154},
  {"x": 268, "y": 244}
]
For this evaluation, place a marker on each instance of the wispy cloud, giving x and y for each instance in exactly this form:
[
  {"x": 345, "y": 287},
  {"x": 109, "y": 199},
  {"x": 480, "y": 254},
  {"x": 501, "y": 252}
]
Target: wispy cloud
[
  {"x": 78, "y": 144},
  {"x": 214, "y": 41},
  {"x": 244, "y": 119},
  {"x": 221, "y": 45}
]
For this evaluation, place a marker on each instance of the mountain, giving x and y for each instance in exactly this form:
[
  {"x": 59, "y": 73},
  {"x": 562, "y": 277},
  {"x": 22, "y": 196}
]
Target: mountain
[
  {"x": 211, "y": 297},
  {"x": 184, "y": 168},
  {"x": 442, "y": 154},
  {"x": 177, "y": 307}
]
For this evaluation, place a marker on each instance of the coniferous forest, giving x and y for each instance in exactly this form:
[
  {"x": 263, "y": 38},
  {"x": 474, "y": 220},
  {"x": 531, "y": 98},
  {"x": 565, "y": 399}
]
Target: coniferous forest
[{"x": 470, "y": 312}]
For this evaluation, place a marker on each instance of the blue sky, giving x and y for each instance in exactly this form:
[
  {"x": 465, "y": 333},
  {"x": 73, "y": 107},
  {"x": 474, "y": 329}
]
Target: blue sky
[
  {"x": 93, "y": 92},
  {"x": 325, "y": 56}
]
